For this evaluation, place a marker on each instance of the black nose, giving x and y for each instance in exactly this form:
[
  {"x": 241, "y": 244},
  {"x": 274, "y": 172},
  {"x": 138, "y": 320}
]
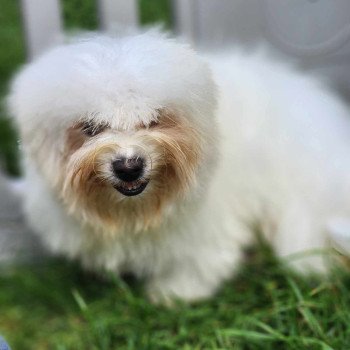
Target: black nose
[{"x": 128, "y": 169}]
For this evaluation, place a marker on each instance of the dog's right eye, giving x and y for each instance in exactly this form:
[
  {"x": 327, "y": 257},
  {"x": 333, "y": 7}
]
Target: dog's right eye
[{"x": 91, "y": 129}]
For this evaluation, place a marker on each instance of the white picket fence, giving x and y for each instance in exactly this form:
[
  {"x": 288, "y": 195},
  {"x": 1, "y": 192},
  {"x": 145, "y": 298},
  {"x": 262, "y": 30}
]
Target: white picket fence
[
  {"x": 316, "y": 32},
  {"x": 43, "y": 23}
]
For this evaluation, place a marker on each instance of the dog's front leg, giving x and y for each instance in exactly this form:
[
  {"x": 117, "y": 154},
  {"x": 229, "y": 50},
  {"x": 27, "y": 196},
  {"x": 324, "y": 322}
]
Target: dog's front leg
[
  {"x": 193, "y": 275},
  {"x": 179, "y": 285}
]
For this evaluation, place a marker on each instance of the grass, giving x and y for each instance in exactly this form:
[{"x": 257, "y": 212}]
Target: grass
[
  {"x": 58, "y": 306},
  {"x": 55, "y": 305}
]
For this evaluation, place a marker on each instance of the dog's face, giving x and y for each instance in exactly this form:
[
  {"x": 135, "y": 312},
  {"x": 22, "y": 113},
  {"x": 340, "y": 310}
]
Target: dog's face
[
  {"x": 128, "y": 177},
  {"x": 123, "y": 133}
]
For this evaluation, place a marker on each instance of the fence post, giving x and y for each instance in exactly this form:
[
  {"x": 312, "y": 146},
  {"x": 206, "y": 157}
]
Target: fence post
[
  {"x": 42, "y": 24},
  {"x": 186, "y": 17},
  {"x": 120, "y": 13}
]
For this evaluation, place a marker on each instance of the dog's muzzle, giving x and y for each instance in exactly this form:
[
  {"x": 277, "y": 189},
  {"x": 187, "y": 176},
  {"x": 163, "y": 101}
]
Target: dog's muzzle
[{"x": 129, "y": 173}]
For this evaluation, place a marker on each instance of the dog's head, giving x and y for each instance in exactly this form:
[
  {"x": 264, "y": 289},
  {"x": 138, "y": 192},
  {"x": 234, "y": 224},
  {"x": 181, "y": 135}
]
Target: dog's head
[{"x": 121, "y": 129}]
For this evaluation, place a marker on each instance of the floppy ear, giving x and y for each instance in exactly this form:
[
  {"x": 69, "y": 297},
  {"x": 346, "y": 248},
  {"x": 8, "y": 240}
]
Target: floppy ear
[
  {"x": 74, "y": 138},
  {"x": 181, "y": 145}
]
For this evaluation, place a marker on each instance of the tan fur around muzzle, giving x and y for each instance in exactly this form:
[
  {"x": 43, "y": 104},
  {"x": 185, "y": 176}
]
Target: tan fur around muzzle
[{"x": 173, "y": 148}]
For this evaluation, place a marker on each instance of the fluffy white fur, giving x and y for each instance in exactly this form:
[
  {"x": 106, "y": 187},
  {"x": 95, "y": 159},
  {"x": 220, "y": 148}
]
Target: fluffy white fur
[{"x": 272, "y": 149}]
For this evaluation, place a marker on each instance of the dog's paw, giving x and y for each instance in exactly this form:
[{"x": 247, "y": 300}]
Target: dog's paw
[
  {"x": 156, "y": 297},
  {"x": 170, "y": 292},
  {"x": 339, "y": 230}
]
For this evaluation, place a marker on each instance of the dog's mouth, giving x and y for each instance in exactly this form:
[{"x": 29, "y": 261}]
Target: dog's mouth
[{"x": 131, "y": 188}]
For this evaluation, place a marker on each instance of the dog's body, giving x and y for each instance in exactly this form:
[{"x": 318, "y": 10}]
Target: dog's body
[{"x": 90, "y": 111}]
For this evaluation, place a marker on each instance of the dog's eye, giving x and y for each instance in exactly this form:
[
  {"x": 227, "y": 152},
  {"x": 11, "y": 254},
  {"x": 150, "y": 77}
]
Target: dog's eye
[
  {"x": 153, "y": 123},
  {"x": 90, "y": 129}
]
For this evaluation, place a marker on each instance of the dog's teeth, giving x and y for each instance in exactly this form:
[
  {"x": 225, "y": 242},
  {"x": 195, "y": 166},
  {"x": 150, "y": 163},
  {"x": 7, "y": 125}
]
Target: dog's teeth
[{"x": 131, "y": 187}]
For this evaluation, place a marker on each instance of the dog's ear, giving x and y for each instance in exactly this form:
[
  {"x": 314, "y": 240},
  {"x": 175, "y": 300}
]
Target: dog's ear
[
  {"x": 74, "y": 138},
  {"x": 181, "y": 146},
  {"x": 167, "y": 118}
]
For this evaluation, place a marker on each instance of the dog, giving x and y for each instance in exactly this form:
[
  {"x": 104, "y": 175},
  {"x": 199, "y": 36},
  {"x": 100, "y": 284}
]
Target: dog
[{"x": 140, "y": 155}]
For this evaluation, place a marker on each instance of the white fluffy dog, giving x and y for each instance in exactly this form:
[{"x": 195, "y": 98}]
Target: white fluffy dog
[{"x": 140, "y": 157}]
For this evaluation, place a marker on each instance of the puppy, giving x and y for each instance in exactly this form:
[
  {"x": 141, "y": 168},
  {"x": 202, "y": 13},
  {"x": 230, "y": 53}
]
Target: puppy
[{"x": 142, "y": 157}]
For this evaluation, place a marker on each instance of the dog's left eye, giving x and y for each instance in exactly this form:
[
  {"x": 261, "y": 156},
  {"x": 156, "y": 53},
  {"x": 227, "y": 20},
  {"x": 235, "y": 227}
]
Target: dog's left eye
[
  {"x": 152, "y": 124},
  {"x": 91, "y": 129}
]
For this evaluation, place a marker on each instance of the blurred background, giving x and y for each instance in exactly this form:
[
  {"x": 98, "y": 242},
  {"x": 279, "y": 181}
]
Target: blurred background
[{"x": 313, "y": 33}]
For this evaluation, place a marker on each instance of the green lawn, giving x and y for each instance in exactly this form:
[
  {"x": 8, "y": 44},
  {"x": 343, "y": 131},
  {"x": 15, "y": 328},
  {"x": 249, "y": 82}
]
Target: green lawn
[{"x": 55, "y": 305}]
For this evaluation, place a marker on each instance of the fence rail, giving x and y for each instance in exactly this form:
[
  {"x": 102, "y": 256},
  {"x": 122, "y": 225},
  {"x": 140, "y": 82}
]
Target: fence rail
[{"x": 43, "y": 22}]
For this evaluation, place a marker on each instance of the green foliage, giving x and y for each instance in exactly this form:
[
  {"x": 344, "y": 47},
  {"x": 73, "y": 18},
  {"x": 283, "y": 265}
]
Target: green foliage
[
  {"x": 8, "y": 146},
  {"x": 156, "y": 11},
  {"x": 11, "y": 56},
  {"x": 80, "y": 14},
  {"x": 58, "y": 306}
]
